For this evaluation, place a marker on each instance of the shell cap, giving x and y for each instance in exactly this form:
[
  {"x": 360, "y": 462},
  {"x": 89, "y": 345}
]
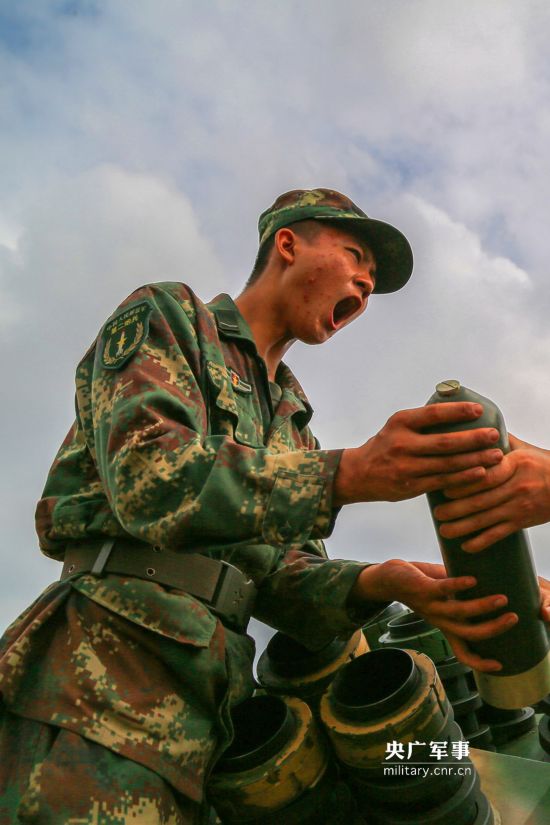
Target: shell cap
[{"x": 393, "y": 253}]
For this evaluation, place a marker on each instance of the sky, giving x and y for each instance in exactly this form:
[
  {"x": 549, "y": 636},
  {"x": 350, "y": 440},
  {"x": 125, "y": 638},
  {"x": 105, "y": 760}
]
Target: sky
[{"x": 140, "y": 141}]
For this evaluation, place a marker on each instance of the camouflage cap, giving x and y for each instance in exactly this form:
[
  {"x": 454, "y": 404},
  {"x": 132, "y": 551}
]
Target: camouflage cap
[{"x": 393, "y": 253}]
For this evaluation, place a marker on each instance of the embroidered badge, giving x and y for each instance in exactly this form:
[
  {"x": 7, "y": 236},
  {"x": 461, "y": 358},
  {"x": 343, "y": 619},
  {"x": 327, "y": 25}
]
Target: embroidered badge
[
  {"x": 124, "y": 335},
  {"x": 237, "y": 382}
]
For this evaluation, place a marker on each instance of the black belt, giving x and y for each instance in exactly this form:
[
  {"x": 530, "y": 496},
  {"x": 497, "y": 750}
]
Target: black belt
[{"x": 222, "y": 586}]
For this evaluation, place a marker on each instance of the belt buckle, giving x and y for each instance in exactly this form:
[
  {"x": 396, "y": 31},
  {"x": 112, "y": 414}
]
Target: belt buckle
[{"x": 234, "y": 595}]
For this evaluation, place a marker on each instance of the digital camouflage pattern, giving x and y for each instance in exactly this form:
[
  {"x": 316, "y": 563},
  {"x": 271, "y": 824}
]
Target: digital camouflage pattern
[
  {"x": 393, "y": 253},
  {"x": 52, "y": 782},
  {"x": 177, "y": 445},
  {"x": 304, "y": 204}
]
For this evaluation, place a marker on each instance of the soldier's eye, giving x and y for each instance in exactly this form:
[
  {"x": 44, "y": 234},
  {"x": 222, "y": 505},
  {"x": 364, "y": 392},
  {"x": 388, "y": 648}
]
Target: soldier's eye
[{"x": 355, "y": 252}]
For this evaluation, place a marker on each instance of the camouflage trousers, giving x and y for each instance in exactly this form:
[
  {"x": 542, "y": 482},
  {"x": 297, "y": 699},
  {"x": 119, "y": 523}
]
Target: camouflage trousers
[
  {"x": 51, "y": 776},
  {"x": 104, "y": 722}
]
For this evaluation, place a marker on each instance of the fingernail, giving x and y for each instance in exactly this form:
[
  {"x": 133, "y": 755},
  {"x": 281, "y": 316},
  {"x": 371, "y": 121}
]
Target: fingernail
[
  {"x": 512, "y": 619},
  {"x": 494, "y": 435},
  {"x": 478, "y": 409},
  {"x": 495, "y": 455},
  {"x": 500, "y": 602}
]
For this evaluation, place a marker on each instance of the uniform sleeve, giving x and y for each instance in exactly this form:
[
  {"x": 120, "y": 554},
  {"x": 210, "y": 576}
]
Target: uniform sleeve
[
  {"x": 168, "y": 479},
  {"x": 306, "y": 597}
]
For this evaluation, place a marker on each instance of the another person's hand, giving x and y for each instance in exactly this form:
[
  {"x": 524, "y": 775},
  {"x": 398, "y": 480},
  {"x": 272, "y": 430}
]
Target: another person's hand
[
  {"x": 403, "y": 461},
  {"x": 512, "y": 495},
  {"x": 426, "y": 589},
  {"x": 544, "y": 585}
]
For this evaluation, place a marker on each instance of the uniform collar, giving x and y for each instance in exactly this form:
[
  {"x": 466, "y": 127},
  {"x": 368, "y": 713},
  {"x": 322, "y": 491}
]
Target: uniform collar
[
  {"x": 231, "y": 324},
  {"x": 288, "y": 381},
  {"x": 229, "y": 320}
]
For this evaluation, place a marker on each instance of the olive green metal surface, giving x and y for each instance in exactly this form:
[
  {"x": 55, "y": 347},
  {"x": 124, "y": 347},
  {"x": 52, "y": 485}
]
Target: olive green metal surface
[
  {"x": 504, "y": 567},
  {"x": 519, "y": 789}
]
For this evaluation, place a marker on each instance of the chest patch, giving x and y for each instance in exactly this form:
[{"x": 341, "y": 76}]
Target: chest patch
[
  {"x": 237, "y": 382},
  {"x": 123, "y": 336}
]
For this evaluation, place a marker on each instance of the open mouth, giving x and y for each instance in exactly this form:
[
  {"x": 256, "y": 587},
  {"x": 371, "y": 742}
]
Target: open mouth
[{"x": 344, "y": 309}]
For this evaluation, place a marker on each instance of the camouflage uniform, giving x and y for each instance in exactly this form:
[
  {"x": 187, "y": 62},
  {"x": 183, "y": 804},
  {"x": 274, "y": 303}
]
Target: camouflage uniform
[{"x": 117, "y": 690}]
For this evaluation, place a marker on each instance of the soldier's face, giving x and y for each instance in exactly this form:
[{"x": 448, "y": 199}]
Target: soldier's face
[{"x": 328, "y": 285}]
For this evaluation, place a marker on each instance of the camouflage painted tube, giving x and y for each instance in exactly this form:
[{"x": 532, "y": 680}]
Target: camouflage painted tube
[
  {"x": 412, "y": 631},
  {"x": 504, "y": 567},
  {"x": 288, "y": 668},
  {"x": 465, "y": 806},
  {"x": 401, "y": 791},
  {"x": 394, "y": 696},
  {"x": 278, "y": 767},
  {"x": 384, "y": 696}
]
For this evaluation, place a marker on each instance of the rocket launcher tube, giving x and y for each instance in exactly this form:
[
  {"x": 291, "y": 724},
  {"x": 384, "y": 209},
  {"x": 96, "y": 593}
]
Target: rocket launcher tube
[
  {"x": 287, "y": 668},
  {"x": 277, "y": 769},
  {"x": 504, "y": 567},
  {"x": 385, "y": 695}
]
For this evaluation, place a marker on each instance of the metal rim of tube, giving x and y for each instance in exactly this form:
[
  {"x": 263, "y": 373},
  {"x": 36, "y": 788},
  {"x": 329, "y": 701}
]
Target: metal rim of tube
[
  {"x": 300, "y": 764},
  {"x": 301, "y": 685},
  {"x": 377, "y": 625},
  {"x": 408, "y": 625},
  {"x": 263, "y": 725},
  {"x": 411, "y": 630},
  {"x": 362, "y": 690},
  {"x": 288, "y": 658},
  {"x": 362, "y": 745}
]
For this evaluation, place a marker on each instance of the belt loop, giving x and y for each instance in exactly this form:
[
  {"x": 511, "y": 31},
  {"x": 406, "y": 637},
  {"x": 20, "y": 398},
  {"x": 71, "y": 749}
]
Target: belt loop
[{"x": 102, "y": 557}]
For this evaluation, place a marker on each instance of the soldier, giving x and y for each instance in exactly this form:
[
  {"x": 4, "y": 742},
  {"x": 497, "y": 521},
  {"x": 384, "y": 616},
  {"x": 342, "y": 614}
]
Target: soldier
[{"x": 190, "y": 493}]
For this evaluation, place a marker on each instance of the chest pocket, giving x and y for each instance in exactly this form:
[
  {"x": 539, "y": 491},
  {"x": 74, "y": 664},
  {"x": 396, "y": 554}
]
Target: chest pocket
[{"x": 229, "y": 413}]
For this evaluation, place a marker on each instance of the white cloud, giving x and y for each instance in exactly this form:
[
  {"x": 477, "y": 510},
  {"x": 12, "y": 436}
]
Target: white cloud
[
  {"x": 458, "y": 251},
  {"x": 90, "y": 239},
  {"x": 465, "y": 314},
  {"x": 458, "y": 53},
  {"x": 142, "y": 140}
]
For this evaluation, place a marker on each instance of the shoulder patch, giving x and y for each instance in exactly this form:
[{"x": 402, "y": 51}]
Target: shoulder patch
[{"x": 124, "y": 334}]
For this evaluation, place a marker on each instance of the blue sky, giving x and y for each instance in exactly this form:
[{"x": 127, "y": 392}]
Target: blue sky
[{"x": 140, "y": 141}]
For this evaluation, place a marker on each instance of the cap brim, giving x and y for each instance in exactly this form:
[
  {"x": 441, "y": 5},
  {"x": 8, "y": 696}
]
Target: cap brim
[{"x": 393, "y": 253}]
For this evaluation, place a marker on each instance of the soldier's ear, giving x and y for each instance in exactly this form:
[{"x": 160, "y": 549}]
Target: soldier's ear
[{"x": 285, "y": 244}]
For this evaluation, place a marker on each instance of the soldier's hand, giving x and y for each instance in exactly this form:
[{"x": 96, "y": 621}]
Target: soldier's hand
[
  {"x": 426, "y": 589},
  {"x": 403, "y": 461},
  {"x": 513, "y": 494}
]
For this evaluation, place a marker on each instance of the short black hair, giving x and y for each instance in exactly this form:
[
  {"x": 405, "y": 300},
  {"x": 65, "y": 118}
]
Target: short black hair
[
  {"x": 308, "y": 229},
  {"x": 261, "y": 260}
]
